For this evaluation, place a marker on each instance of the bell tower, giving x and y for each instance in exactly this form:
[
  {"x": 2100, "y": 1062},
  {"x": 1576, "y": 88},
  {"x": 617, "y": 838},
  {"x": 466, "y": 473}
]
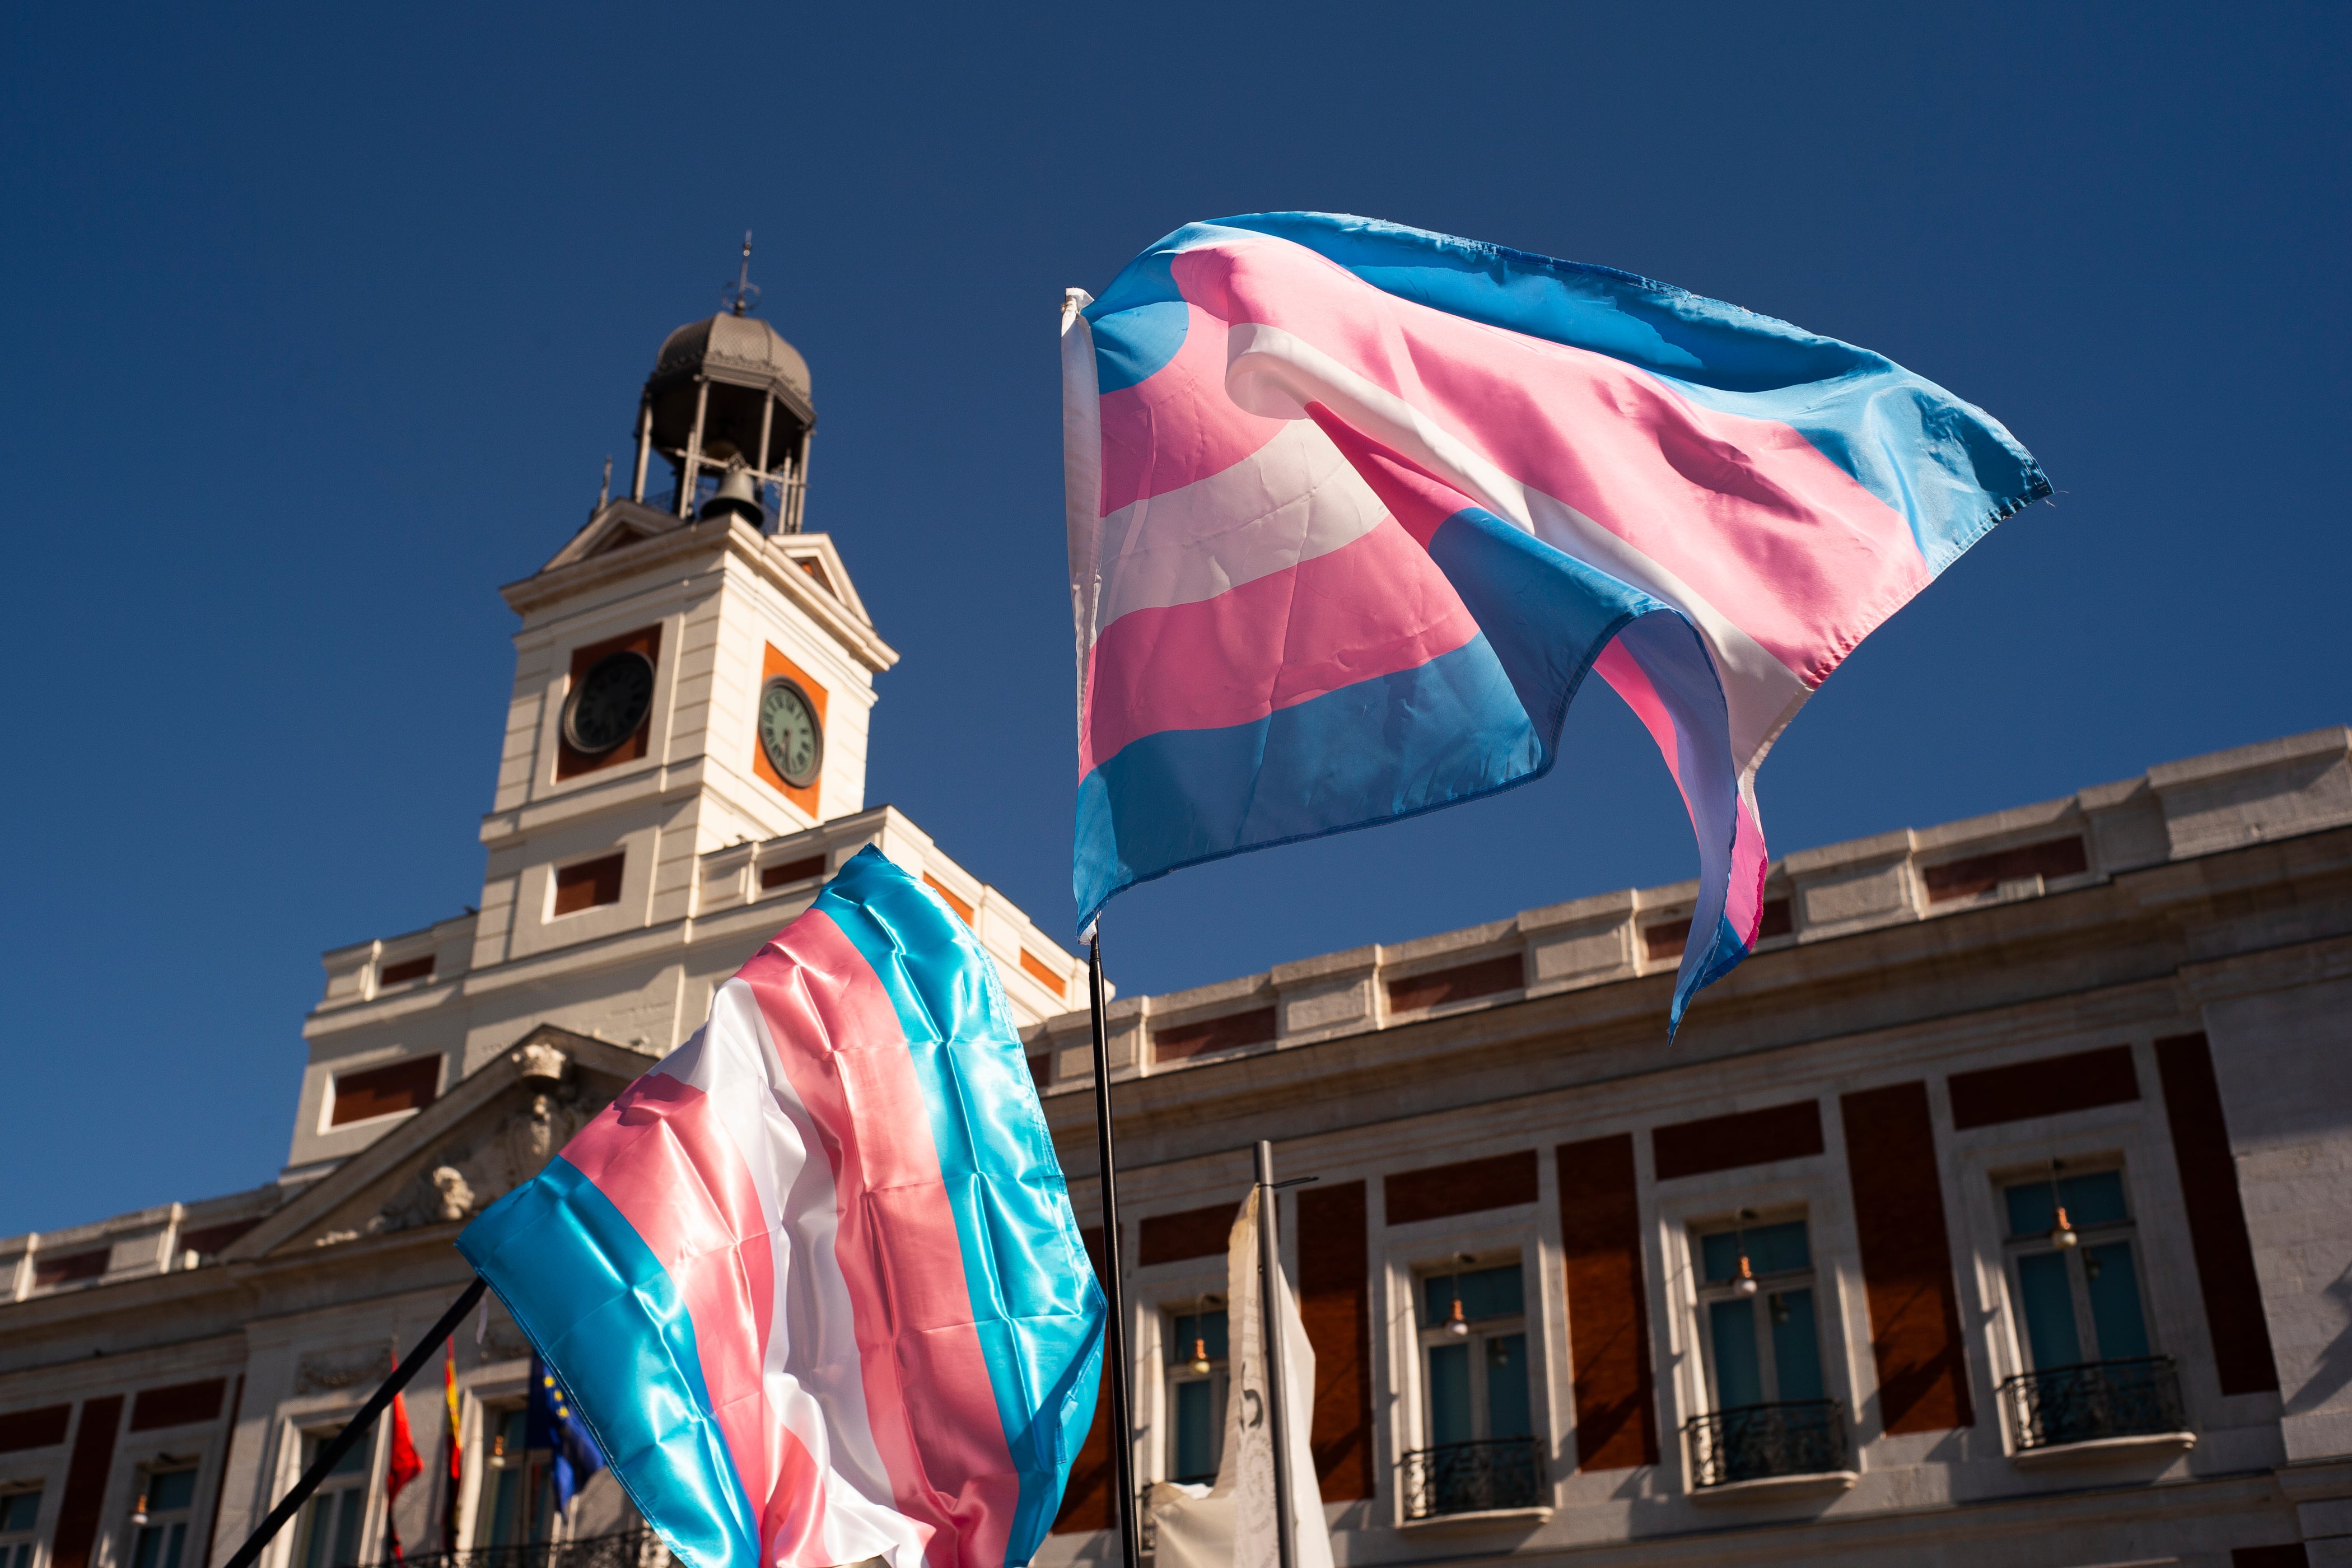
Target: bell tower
[
  {"x": 693, "y": 670},
  {"x": 727, "y": 408},
  {"x": 683, "y": 765}
]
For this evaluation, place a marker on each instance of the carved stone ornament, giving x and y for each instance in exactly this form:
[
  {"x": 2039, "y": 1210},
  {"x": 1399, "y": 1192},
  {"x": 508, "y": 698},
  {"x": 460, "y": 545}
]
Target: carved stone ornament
[
  {"x": 542, "y": 1064},
  {"x": 323, "y": 1371},
  {"x": 463, "y": 1177}
]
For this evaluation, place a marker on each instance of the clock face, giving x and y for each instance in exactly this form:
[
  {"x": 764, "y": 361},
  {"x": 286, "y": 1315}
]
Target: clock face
[
  {"x": 788, "y": 733},
  {"x": 610, "y": 701}
]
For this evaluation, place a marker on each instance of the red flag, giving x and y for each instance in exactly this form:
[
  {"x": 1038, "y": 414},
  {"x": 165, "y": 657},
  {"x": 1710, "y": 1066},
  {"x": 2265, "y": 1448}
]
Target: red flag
[
  {"x": 449, "y": 1397},
  {"x": 402, "y": 1466}
]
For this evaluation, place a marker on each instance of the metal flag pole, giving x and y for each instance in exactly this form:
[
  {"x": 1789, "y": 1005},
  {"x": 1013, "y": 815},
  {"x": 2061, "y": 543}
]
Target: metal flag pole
[
  {"x": 357, "y": 1426},
  {"x": 1269, "y": 1287},
  {"x": 1122, "y": 1423}
]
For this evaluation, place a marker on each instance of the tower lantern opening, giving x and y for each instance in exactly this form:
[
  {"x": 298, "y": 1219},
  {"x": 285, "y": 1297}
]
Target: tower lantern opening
[{"x": 728, "y": 407}]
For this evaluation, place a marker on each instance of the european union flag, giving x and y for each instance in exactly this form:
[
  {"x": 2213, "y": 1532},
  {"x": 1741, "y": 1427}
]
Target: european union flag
[{"x": 551, "y": 1423}]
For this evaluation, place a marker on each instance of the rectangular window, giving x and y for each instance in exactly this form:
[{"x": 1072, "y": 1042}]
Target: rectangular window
[
  {"x": 1461, "y": 983},
  {"x": 1256, "y": 1027},
  {"x": 1196, "y": 1395},
  {"x": 1759, "y": 1338},
  {"x": 406, "y": 969},
  {"x": 1666, "y": 941},
  {"x": 1043, "y": 974},
  {"x": 20, "y": 1515},
  {"x": 64, "y": 1269},
  {"x": 589, "y": 885},
  {"x": 2078, "y": 1303},
  {"x": 1981, "y": 874},
  {"x": 785, "y": 873},
  {"x": 161, "y": 1518},
  {"x": 329, "y": 1534},
  {"x": 962, "y": 909},
  {"x": 520, "y": 1507},
  {"x": 1474, "y": 1356},
  {"x": 380, "y": 1092}
]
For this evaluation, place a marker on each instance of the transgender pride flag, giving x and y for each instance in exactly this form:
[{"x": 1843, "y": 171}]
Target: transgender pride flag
[
  {"x": 1353, "y": 508},
  {"x": 813, "y": 1280}
]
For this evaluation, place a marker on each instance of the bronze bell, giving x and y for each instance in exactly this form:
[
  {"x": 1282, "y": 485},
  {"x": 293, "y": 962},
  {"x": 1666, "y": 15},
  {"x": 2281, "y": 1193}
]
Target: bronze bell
[{"x": 736, "y": 497}]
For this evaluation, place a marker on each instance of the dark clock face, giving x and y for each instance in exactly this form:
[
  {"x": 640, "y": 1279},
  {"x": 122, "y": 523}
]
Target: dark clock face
[
  {"x": 788, "y": 733},
  {"x": 610, "y": 701}
]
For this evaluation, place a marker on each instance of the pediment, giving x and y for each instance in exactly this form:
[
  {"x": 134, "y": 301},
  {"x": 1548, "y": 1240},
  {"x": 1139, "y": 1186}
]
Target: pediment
[
  {"x": 491, "y": 1132},
  {"x": 819, "y": 559},
  {"x": 616, "y": 526}
]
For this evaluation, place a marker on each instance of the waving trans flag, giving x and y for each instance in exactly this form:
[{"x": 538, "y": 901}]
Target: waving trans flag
[
  {"x": 814, "y": 1282},
  {"x": 1353, "y": 508}
]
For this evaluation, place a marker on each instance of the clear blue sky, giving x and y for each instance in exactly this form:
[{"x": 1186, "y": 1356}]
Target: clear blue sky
[{"x": 318, "y": 323}]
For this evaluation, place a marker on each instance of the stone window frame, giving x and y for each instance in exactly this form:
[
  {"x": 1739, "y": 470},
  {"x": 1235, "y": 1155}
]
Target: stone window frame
[
  {"x": 1677, "y": 1213},
  {"x": 1402, "y": 1256},
  {"x": 1156, "y": 1295},
  {"x": 27, "y": 1470},
  {"x": 295, "y": 1421},
  {"x": 488, "y": 1388},
  {"x": 2134, "y": 1135}
]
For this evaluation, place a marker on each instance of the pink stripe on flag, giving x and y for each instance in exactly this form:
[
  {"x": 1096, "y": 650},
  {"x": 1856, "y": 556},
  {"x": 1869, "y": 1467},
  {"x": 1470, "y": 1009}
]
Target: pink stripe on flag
[
  {"x": 661, "y": 1154},
  {"x": 1177, "y": 426},
  {"x": 844, "y": 1054},
  {"x": 1744, "y": 900},
  {"x": 1743, "y": 906},
  {"x": 1747, "y": 512},
  {"x": 1371, "y": 607}
]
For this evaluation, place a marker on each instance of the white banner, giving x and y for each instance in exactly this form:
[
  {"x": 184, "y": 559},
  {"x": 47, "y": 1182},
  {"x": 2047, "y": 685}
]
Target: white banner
[{"x": 1233, "y": 1526}]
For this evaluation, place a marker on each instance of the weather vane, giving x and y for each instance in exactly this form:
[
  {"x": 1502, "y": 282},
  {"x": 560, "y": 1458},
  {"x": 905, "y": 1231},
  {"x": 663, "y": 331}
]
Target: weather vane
[{"x": 742, "y": 296}]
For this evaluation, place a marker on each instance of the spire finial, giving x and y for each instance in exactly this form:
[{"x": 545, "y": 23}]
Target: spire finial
[{"x": 742, "y": 296}]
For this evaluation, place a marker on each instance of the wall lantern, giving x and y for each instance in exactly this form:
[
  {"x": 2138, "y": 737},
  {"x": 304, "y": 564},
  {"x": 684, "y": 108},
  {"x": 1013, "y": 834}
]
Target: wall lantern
[
  {"x": 2062, "y": 1234},
  {"x": 1744, "y": 1282}
]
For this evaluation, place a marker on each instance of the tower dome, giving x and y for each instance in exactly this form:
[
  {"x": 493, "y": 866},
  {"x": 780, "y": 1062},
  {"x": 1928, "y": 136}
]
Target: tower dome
[
  {"x": 729, "y": 399},
  {"x": 739, "y": 350}
]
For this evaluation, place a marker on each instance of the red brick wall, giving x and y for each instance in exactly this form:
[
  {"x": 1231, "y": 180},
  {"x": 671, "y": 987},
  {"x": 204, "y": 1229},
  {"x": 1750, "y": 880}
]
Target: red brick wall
[
  {"x": 2049, "y": 1086},
  {"x": 1442, "y": 1191},
  {"x": 86, "y": 1472},
  {"x": 1334, "y": 1304},
  {"x": 1727, "y": 1142},
  {"x": 1608, "y": 1310},
  {"x": 1907, "y": 1260},
  {"x": 2241, "y": 1332},
  {"x": 1188, "y": 1233}
]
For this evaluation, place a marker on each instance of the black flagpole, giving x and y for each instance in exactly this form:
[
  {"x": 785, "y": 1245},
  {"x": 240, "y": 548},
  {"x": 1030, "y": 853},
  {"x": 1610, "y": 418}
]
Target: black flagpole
[
  {"x": 1271, "y": 1339},
  {"x": 356, "y": 1428},
  {"x": 1122, "y": 1423}
]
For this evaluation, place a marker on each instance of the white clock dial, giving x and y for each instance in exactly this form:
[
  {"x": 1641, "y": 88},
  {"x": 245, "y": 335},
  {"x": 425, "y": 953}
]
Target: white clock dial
[{"x": 790, "y": 735}]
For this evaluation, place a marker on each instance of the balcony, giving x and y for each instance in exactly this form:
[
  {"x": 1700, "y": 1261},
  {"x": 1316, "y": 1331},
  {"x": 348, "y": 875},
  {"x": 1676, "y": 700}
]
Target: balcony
[
  {"x": 1501, "y": 1477},
  {"x": 2100, "y": 1406},
  {"x": 629, "y": 1549},
  {"x": 1799, "y": 1445}
]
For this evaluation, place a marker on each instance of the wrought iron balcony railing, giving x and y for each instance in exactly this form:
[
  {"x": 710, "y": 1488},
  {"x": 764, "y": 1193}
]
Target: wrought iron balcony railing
[
  {"x": 2083, "y": 1404},
  {"x": 1473, "y": 1478},
  {"x": 1751, "y": 1442},
  {"x": 628, "y": 1549}
]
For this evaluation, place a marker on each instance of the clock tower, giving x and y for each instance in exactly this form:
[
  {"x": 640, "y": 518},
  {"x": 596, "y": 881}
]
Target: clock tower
[
  {"x": 693, "y": 670},
  {"x": 683, "y": 768}
]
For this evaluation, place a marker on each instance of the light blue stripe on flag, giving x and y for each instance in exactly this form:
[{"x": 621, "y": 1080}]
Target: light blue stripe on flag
[
  {"x": 1034, "y": 1302},
  {"x": 595, "y": 1301}
]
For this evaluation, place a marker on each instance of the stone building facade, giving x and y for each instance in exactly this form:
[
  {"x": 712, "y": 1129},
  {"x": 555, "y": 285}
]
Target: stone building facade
[
  {"x": 2132, "y": 1008},
  {"x": 1996, "y": 1211}
]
